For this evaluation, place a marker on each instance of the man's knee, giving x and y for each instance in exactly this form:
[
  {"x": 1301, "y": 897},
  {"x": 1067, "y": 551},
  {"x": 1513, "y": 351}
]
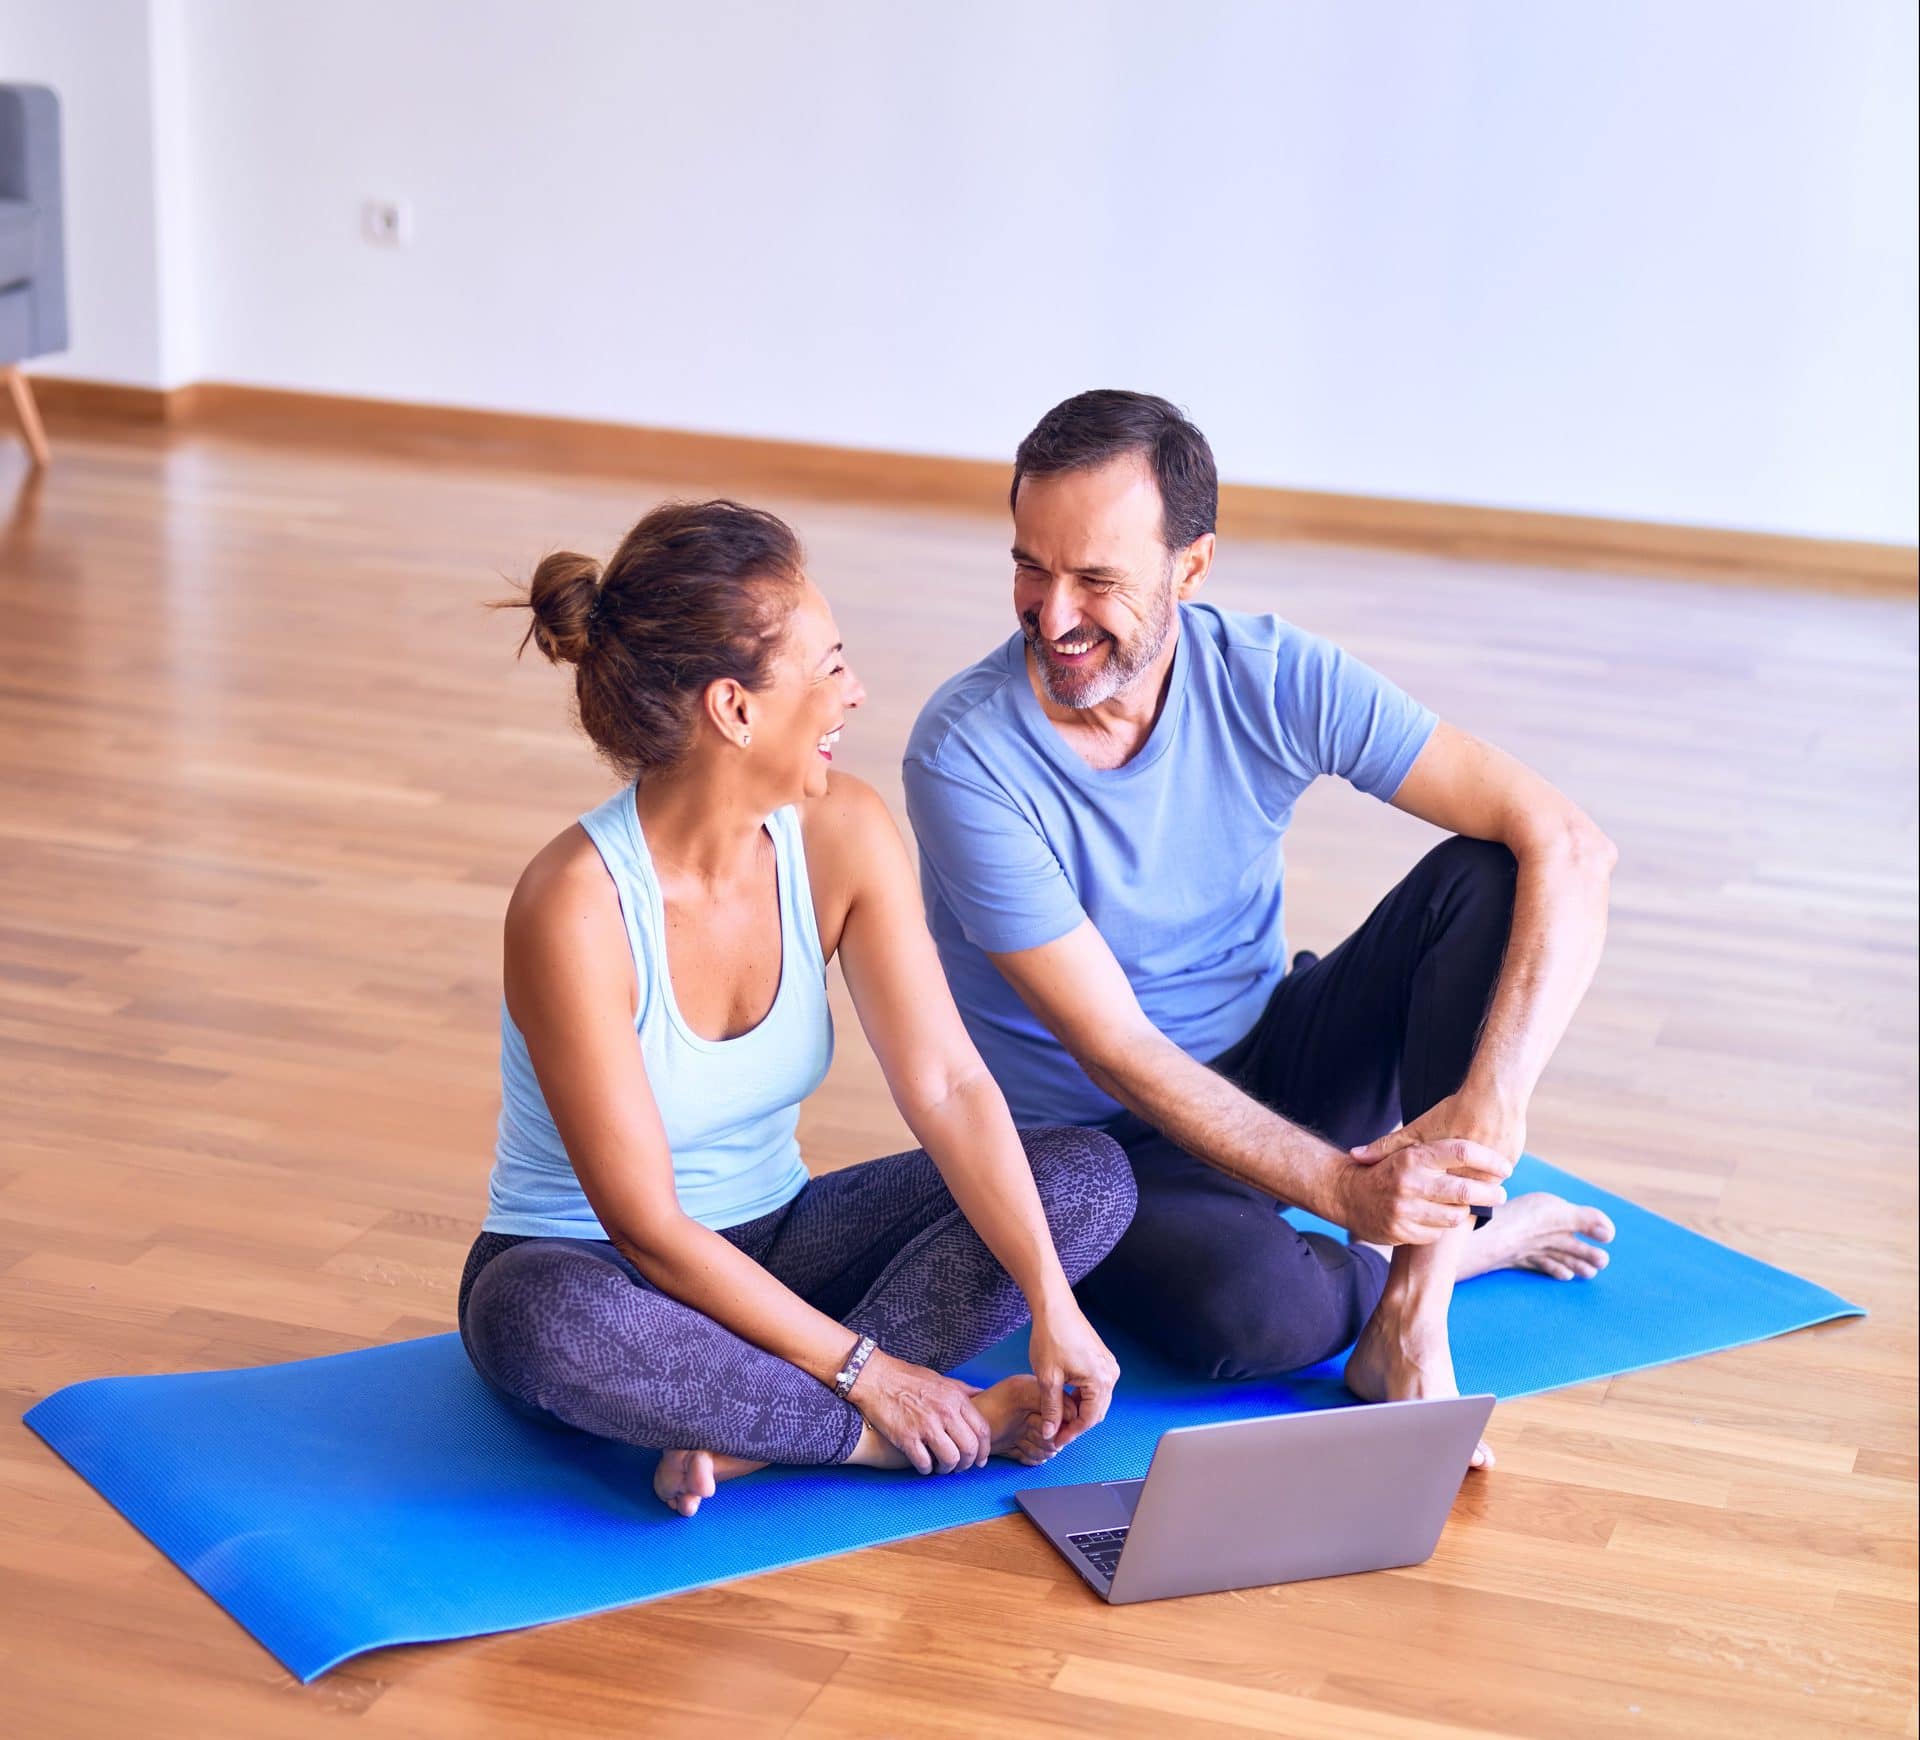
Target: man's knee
[
  {"x": 1482, "y": 869},
  {"x": 1232, "y": 1323},
  {"x": 1230, "y": 1332},
  {"x": 1086, "y": 1187}
]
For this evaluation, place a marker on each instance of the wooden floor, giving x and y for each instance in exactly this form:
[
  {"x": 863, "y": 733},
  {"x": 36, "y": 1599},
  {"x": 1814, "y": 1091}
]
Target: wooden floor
[{"x": 267, "y": 772}]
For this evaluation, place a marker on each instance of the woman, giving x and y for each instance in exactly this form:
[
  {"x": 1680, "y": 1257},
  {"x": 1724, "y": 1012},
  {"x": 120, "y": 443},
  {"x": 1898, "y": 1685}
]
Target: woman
[{"x": 656, "y": 1265}]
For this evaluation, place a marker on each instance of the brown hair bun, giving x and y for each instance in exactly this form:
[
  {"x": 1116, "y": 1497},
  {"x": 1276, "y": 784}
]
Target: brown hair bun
[{"x": 562, "y": 595}]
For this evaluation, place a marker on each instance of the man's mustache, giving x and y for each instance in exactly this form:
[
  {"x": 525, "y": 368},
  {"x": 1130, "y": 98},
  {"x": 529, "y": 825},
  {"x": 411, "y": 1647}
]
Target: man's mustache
[{"x": 1031, "y": 624}]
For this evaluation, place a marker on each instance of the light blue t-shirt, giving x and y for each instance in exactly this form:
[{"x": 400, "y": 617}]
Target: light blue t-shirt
[
  {"x": 1176, "y": 856},
  {"x": 730, "y": 1106}
]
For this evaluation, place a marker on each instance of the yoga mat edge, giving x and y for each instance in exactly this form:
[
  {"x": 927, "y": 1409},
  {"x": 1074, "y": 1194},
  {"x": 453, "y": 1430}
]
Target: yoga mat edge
[{"x": 384, "y": 1496}]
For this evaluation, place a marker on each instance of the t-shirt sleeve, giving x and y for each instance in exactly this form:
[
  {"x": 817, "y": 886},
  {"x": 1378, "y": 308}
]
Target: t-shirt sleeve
[
  {"x": 988, "y": 862},
  {"x": 1339, "y": 716}
]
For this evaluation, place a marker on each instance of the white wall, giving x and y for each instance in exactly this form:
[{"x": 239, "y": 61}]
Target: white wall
[
  {"x": 98, "y": 54},
  {"x": 1652, "y": 258},
  {"x": 179, "y": 266}
]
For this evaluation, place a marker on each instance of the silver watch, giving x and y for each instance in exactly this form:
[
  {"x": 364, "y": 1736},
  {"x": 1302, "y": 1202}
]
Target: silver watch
[{"x": 844, "y": 1379}]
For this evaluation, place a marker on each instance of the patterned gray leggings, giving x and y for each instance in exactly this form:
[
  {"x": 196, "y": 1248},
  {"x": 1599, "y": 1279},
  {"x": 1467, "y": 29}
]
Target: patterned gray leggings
[{"x": 571, "y": 1331}]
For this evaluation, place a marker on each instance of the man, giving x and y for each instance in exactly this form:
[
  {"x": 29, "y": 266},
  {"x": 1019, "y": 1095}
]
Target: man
[{"x": 1100, "y": 804}]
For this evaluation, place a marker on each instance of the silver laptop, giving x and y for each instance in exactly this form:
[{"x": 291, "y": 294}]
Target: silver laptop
[{"x": 1273, "y": 1500}]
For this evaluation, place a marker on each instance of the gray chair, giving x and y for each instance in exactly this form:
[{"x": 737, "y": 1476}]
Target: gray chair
[{"x": 33, "y": 252}]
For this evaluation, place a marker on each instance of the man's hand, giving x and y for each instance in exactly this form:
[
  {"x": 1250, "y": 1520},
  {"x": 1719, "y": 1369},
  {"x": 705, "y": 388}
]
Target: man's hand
[
  {"x": 930, "y": 1419},
  {"x": 1066, "y": 1350},
  {"x": 1420, "y": 1191},
  {"x": 1464, "y": 1117}
]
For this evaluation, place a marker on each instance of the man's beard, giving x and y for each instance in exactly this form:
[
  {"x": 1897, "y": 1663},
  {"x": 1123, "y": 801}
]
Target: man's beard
[{"x": 1122, "y": 666}]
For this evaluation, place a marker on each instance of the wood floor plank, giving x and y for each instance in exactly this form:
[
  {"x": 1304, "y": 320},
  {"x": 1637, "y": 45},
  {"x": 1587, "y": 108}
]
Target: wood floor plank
[{"x": 268, "y": 771}]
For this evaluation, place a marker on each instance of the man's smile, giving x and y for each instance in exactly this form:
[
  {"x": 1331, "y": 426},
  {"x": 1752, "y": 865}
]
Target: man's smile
[{"x": 1073, "y": 648}]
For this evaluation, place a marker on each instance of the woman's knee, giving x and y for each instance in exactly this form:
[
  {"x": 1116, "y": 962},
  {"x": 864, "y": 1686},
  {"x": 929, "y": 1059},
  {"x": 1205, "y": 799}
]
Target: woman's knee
[
  {"x": 535, "y": 1319},
  {"x": 1086, "y": 1187}
]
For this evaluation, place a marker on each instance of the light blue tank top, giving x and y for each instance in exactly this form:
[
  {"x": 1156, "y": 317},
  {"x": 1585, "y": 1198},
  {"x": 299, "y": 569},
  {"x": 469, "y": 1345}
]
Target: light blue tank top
[{"x": 730, "y": 1106}]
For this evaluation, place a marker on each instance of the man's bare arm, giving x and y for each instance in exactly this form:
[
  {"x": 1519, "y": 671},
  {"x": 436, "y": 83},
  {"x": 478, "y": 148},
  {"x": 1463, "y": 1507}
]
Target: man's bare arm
[
  {"x": 1077, "y": 988},
  {"x": 1559, "y": 925}
]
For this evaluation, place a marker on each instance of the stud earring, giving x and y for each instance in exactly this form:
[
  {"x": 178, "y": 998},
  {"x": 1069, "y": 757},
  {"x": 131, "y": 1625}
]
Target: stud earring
[{"x": 746, "y": 737}]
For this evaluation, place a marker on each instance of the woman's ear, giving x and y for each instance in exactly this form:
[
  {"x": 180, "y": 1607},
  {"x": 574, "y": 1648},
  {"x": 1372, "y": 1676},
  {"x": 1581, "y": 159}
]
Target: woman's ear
[{"x": 729, "y": 709}]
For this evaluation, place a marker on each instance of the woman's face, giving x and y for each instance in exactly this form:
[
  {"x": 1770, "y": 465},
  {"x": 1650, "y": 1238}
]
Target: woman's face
[{"x": 814, "y": 689}]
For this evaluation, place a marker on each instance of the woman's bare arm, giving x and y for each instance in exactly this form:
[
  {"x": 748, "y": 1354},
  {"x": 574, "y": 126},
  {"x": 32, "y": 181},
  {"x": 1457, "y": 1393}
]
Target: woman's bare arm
[
  {"x": 950, "y": 1102},
  {"x": 570, "y": 990}
]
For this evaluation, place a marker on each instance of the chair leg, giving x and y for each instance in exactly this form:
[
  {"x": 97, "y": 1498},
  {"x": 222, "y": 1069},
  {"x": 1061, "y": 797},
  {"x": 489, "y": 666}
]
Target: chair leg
[{"x": 29, "y": 414}]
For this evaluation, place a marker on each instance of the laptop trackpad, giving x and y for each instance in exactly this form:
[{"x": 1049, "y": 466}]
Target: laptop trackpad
[{"x": 1128, "y": 1493}]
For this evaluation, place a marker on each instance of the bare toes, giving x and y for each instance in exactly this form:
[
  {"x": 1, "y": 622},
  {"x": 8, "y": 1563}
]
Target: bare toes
[
  {"x": 683, "y": 1479},
  {"x": 1033, "y": 1449},
  {"x": 1585, "y": 1259}
]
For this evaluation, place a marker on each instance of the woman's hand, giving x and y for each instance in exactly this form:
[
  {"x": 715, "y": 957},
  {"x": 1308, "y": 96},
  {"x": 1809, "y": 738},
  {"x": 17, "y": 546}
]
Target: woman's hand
[
  {"x": 930, "y": 1419},
  {"x": 1066, "y": 1351}
]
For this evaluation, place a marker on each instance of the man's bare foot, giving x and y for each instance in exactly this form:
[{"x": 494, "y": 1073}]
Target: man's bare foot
[
  {"x": 685, "y": 1477},
  {"x": 1405, "y": 1359},
  {"x": 1542, "y": 1232}
]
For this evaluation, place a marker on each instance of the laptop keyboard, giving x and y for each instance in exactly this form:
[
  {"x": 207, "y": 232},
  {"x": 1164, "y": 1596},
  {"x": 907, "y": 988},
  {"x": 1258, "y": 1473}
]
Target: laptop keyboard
[{"x": 1101, "y": 1549}]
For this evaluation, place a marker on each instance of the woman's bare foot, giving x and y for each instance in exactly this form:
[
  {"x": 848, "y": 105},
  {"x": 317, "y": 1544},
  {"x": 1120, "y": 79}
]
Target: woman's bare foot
[
  {"x": 685, "y": 1477},
  {"x": 1011, "y": 1409},
  {"x": 1542, "y": 1232}
]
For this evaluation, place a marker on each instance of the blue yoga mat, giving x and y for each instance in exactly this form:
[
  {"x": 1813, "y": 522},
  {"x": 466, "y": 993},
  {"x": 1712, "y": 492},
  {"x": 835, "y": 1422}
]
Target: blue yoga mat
[{"x": 337, "y": 1505}]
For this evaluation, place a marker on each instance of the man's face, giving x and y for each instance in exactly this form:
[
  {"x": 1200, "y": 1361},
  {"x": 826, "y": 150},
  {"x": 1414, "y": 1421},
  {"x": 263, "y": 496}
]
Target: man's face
[{"x": 1093, "y": 582}]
